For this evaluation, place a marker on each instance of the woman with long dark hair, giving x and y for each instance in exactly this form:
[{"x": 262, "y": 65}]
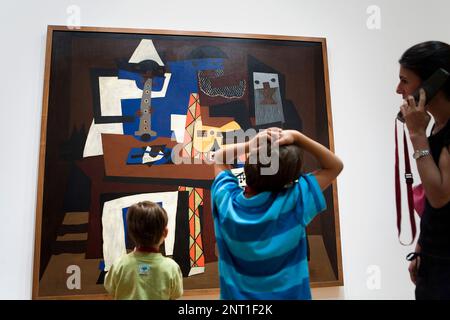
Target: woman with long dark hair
[{"x": 430, "y": 268}]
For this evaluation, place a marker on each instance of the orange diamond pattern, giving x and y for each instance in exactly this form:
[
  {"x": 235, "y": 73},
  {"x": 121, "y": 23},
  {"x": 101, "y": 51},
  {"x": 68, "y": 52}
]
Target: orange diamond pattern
[
  {"x": 192, "y": 117},
  {"x": 196, "y": 256}
]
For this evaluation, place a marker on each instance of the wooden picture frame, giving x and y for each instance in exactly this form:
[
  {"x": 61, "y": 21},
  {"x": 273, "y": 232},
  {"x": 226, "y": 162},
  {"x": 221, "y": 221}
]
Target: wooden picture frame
[{"x": 94, "y": 144}]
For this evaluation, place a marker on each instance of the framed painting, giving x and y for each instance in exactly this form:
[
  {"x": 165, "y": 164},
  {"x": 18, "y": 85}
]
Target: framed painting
[{"x": 118, "y": 102}]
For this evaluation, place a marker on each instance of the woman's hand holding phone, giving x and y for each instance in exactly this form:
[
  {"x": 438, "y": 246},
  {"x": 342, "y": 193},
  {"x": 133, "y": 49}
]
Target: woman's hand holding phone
[{"x": 415, "y": 115}]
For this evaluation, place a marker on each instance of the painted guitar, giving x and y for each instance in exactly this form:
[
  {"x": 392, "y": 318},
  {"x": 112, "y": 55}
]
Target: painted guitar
[{"x": 207, "y": 138}]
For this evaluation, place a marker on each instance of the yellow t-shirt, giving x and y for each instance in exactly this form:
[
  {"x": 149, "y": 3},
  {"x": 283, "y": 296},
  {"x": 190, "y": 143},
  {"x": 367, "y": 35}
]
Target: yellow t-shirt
[{"x": 144, "y": 276}]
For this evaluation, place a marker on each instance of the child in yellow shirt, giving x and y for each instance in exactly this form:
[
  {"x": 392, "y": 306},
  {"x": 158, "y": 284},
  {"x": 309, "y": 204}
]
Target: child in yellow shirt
[{"x": 145, "y": 274}]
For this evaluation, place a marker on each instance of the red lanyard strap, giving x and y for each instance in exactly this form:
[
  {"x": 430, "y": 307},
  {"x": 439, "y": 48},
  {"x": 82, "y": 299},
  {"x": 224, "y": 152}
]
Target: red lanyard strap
[{"x": 409, "y": 181}]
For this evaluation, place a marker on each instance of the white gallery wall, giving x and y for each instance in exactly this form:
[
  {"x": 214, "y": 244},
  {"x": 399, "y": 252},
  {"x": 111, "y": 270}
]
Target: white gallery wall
[{"x": 365, "y": 40}]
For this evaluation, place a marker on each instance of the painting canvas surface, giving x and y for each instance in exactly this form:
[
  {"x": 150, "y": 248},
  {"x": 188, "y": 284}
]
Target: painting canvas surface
[{"x": 119, "y": 102}]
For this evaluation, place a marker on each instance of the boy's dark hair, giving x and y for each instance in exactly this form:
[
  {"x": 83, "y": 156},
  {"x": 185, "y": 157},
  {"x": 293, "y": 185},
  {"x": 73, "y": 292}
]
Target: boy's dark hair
[
  {"x": 146, "y": 223},
  {"x": 290, "y": 166},
  {"x": 425, "y": 58}
]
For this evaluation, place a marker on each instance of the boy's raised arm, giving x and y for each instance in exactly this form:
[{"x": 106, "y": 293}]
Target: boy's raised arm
[
  {"x": 330, "y": 164},
  {"x": 225, "y": 156}
]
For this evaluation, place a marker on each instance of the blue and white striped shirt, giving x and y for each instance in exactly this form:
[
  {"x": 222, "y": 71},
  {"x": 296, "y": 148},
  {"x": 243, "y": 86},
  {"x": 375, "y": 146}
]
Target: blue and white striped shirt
[{"x": 262, "y": 239}]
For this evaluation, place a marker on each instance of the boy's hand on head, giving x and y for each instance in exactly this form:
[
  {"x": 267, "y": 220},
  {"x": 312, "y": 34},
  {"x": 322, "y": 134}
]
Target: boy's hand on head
[
  {"x": 286, "y": 137},
  {"x": 269, "y": 135},
  {"x": 274, "y": 133}
]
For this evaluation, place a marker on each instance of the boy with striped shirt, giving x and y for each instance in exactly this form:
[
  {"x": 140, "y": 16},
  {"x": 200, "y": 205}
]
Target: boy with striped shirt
[{"x": 261, "y": 231}]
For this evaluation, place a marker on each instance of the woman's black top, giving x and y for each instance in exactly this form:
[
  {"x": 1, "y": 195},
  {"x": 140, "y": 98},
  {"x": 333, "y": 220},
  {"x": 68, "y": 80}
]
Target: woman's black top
[{"x": 435, "y": 223}]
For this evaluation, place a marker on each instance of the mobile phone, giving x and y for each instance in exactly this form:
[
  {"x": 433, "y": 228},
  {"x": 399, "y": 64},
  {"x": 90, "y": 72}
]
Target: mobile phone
[{"x": 431, "y": 86}]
